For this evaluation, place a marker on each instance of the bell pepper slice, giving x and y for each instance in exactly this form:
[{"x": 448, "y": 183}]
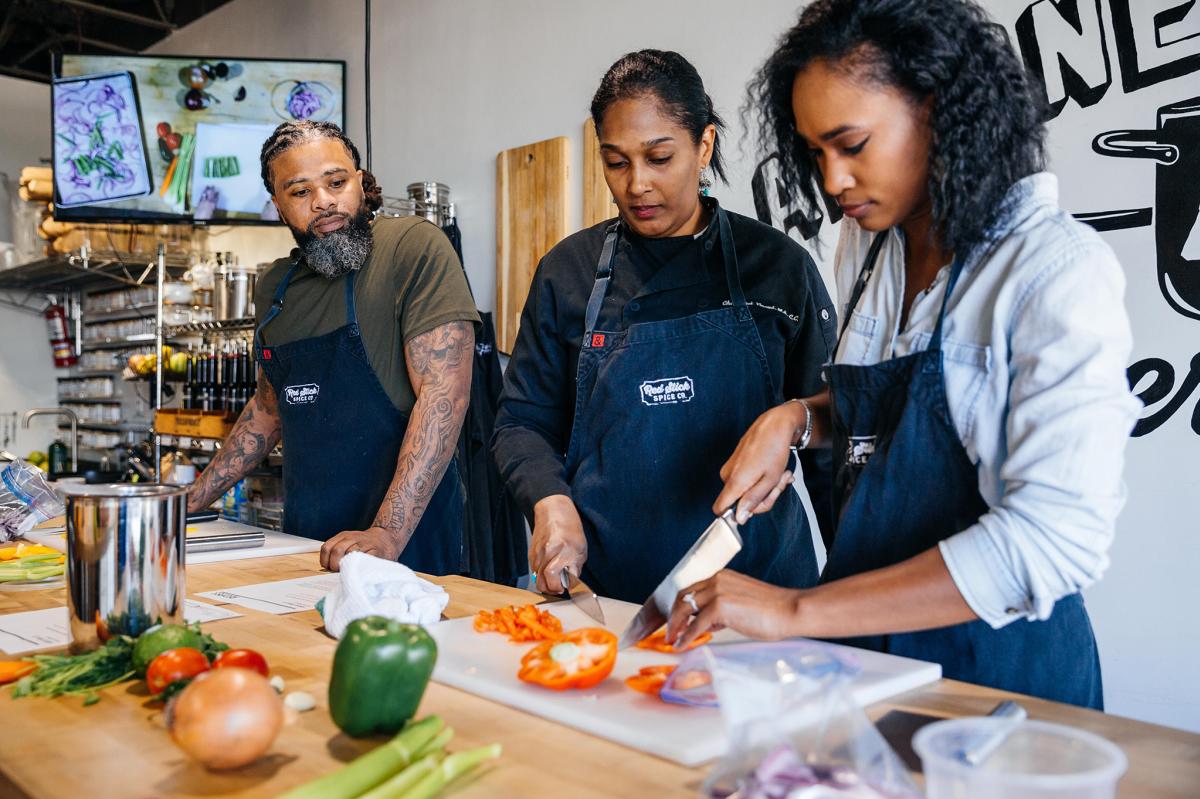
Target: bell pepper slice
[
  {"x": 580, "y": 659},
  {"x": 658, "y": 642},
  {"x": 650, "y": 679}
]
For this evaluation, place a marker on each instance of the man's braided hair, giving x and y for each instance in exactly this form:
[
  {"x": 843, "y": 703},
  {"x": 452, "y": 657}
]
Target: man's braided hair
[{"x": 290, "y": 134}]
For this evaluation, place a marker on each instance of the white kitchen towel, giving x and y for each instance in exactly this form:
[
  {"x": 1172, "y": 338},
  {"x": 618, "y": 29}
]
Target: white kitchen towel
[{"x": 372, "y": 586}]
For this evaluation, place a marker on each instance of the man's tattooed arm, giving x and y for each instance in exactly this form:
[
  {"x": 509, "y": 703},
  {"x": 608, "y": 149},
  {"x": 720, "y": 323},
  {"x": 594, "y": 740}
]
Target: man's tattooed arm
[
  {"x": 254, "y": 435},
  {"x": 439, "y": 366}
]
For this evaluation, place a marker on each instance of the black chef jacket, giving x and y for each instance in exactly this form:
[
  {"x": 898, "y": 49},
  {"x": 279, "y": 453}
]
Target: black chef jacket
[{"x": 652, "y": 280}]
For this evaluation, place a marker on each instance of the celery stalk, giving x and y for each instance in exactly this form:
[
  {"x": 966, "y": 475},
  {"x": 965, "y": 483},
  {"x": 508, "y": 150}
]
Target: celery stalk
[
  {"x": 399, "y": 785},
  {"x": 436, "y": 745},
  {"x": 449, "y": 770},
  {"x": 373, "y": 768}
]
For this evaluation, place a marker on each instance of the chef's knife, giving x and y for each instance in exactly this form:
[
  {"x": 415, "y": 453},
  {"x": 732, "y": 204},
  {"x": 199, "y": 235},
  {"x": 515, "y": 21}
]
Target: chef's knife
[
  {"x": 712, "y": 551},
  {"x": 583, "y": 597},
  {"x": 578, "y": 593}
]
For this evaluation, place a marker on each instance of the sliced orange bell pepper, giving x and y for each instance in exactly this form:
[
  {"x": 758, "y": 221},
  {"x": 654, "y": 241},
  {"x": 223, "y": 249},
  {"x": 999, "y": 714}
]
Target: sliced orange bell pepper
[
  {"x": 658, "y": 642},
  {"x": 580, "y": 659},
  {"x": 520, "y": 625},
  {"x": 650, "y": 679},
  {"x": 13, "y": 670}
]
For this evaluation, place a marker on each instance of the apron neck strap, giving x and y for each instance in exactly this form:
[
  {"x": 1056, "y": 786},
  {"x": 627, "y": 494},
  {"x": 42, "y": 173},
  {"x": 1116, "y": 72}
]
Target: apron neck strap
[
  {"x": 733, "y": 279},
  {"x": 604, "y": 267},
  {"x": 276, "y": 302},
  {"x": 608, "y": 257},
  {"x": 935, "y": 341},
  {"x": 351, "y": 310},
  {"x": 860, "y": 285}
]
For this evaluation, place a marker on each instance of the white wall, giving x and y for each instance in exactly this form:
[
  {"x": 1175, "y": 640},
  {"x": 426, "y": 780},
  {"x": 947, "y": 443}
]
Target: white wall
[
  {"x": 474, "y": 77},
  {"x": 26, "y": 364},
  {"x": 456, "y": 82}
]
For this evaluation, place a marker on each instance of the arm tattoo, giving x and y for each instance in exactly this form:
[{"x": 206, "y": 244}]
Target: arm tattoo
[
  {"x": 255, "y": 434},
  {"x": 439, "y": 366}
]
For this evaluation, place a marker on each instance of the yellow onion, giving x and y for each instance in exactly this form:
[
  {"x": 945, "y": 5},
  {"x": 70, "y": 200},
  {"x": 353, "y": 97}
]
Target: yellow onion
[{"x": 226, "y": 718}]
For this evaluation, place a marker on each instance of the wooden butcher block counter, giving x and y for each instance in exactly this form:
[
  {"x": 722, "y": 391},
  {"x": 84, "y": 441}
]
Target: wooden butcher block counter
[{"x": 119, "y": 747}]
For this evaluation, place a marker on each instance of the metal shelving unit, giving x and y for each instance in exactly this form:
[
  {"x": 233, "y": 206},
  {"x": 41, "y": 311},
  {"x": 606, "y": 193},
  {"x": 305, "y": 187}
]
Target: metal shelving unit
[
  {"x": 25, "y": 286},
  {"x": 200, "y": 328}
]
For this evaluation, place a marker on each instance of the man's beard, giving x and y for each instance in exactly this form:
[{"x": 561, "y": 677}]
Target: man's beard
[{"x": 339, "y": 252}]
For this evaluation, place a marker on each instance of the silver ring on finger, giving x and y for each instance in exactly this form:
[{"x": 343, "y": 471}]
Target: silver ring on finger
[{"x": 690, "y": 598}]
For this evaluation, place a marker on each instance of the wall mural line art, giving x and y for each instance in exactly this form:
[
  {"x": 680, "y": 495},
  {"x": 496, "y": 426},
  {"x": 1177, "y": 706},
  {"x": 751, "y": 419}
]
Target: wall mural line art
[
  {"x": 1175, "y": 148},
  {"x": 1065, "y": 46},
  {"x": 1063, "y": 43}
]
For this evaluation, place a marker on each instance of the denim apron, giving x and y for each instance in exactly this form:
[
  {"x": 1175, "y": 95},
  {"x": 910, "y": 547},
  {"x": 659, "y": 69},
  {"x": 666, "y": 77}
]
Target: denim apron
[
  {"x": 659, "y": 408},
  {"x": 341, "y": 439},
  {"x": 903, "y": 483}
]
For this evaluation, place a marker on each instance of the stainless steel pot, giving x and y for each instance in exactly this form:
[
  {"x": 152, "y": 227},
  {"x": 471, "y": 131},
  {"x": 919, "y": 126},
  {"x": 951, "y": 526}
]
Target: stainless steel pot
[
  {"x": 234, "y": 290},
  {"x": 125, "y": 559},
  {"x": 429, "y": 192}
]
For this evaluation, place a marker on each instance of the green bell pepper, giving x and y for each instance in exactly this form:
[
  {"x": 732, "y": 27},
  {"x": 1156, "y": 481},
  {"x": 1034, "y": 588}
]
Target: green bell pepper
[{"x": 380, "y": 671}]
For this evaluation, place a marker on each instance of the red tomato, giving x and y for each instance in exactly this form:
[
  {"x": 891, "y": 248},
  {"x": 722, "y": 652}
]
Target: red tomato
[
  {"x": 242, "y": 658},
  {"x": 173, "y": 141},
  {"x": 163, "y": 129},
  {"x": 173, "y": 665}
]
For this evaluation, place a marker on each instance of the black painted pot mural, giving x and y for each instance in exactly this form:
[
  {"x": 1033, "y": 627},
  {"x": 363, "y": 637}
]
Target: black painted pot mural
[{"x": 1175, "y": 147}]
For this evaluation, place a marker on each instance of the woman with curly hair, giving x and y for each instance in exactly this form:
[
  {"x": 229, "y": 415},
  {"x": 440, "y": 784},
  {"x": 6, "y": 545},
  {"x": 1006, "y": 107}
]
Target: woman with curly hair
[{"x": 977, "y": 404}]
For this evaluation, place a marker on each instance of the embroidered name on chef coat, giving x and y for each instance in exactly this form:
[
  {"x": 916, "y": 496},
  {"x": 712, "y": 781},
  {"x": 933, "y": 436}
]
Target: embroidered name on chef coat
[
  {"x": 305, "y": 394},
  {"x": 668, "y": 391}
]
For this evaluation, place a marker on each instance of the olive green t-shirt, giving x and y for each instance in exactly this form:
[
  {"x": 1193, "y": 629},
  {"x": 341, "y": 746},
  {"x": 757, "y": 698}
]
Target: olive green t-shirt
[{"x": 411, "y": 283}]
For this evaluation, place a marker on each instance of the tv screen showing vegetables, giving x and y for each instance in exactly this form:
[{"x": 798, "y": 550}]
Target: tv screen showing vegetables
[{"x": 176, "y": 139}]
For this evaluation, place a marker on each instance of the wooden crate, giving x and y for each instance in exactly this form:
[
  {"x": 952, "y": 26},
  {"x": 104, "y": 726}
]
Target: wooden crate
[{"x": 197, "y": 424}]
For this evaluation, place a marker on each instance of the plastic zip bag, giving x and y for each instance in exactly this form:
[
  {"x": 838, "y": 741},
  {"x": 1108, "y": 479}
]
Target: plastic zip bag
[
  {"x": 26, "y": 500},
  {"x": 795, "y": 730}
]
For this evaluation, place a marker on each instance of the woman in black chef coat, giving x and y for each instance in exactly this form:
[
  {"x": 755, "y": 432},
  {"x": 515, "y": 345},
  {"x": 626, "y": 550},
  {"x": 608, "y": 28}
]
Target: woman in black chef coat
[{"x": 648, "y": 345}]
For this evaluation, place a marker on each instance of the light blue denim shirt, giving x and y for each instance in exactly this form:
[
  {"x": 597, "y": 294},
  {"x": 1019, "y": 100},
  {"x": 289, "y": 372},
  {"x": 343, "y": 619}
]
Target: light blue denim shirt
[{"x": 1036, "y": 343}]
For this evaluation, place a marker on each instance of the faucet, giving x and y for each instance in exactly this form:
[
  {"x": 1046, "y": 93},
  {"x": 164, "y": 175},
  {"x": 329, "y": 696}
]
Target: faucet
[{"x": 70, "y": 414}]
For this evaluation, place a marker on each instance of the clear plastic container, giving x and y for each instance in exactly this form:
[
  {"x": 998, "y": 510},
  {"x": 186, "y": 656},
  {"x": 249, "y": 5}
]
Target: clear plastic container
[{"x": 1038, "y": 760}]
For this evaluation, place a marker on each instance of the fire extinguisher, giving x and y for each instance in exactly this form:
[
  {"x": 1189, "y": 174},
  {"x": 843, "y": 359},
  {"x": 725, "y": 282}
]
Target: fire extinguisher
[{"x": 60, "y": 335}]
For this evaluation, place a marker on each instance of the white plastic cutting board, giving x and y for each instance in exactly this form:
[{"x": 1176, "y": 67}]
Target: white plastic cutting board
[{"x": 486, "y": 664}]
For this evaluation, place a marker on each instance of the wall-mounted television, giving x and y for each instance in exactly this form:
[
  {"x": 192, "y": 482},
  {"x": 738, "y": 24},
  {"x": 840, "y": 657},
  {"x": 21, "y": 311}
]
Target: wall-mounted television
[{"x": 176, "y": 139}]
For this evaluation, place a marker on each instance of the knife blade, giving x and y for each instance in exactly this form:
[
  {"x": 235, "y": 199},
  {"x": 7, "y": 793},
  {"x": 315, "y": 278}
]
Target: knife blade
[
  {"x": 578, "y": 593},
  {"x": 712, "y": 551},
  {"x": 583, "y": 597}
]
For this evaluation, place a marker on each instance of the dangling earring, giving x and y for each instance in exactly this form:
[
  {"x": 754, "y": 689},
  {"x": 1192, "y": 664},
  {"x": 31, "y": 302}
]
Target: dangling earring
[{"x": 705, "y": 183}]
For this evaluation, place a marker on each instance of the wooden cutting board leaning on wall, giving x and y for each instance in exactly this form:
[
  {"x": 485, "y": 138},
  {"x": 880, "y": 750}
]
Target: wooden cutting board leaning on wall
[
  {"x": 598, "y": 203},
  {"x": 531, "y": 217}
]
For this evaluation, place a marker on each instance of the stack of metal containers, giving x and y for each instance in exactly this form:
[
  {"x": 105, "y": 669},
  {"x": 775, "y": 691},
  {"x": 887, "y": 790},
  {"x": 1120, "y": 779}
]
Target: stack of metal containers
[{"x": 428, "y": 199}]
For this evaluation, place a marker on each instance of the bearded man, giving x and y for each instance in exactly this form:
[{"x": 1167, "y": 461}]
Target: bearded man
[{"x": 364, "y": 341}]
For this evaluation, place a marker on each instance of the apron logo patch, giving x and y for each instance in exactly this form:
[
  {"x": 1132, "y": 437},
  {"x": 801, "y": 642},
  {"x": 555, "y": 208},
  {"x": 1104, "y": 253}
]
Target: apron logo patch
[
  {"x": 860, "y": 450},
  {"x": 305, "y": 394},
  {"x": 597, "y": 339},
  {"x": 668, "y": 391}
]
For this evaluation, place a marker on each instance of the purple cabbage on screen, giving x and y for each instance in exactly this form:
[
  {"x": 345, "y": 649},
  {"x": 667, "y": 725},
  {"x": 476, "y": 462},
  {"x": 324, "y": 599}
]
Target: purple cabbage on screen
[{"x": 98, "y": 143}]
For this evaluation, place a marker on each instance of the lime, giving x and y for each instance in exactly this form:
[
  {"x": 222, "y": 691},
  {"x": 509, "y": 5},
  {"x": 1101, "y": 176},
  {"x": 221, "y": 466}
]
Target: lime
[{"x": 154, "y": 642}]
